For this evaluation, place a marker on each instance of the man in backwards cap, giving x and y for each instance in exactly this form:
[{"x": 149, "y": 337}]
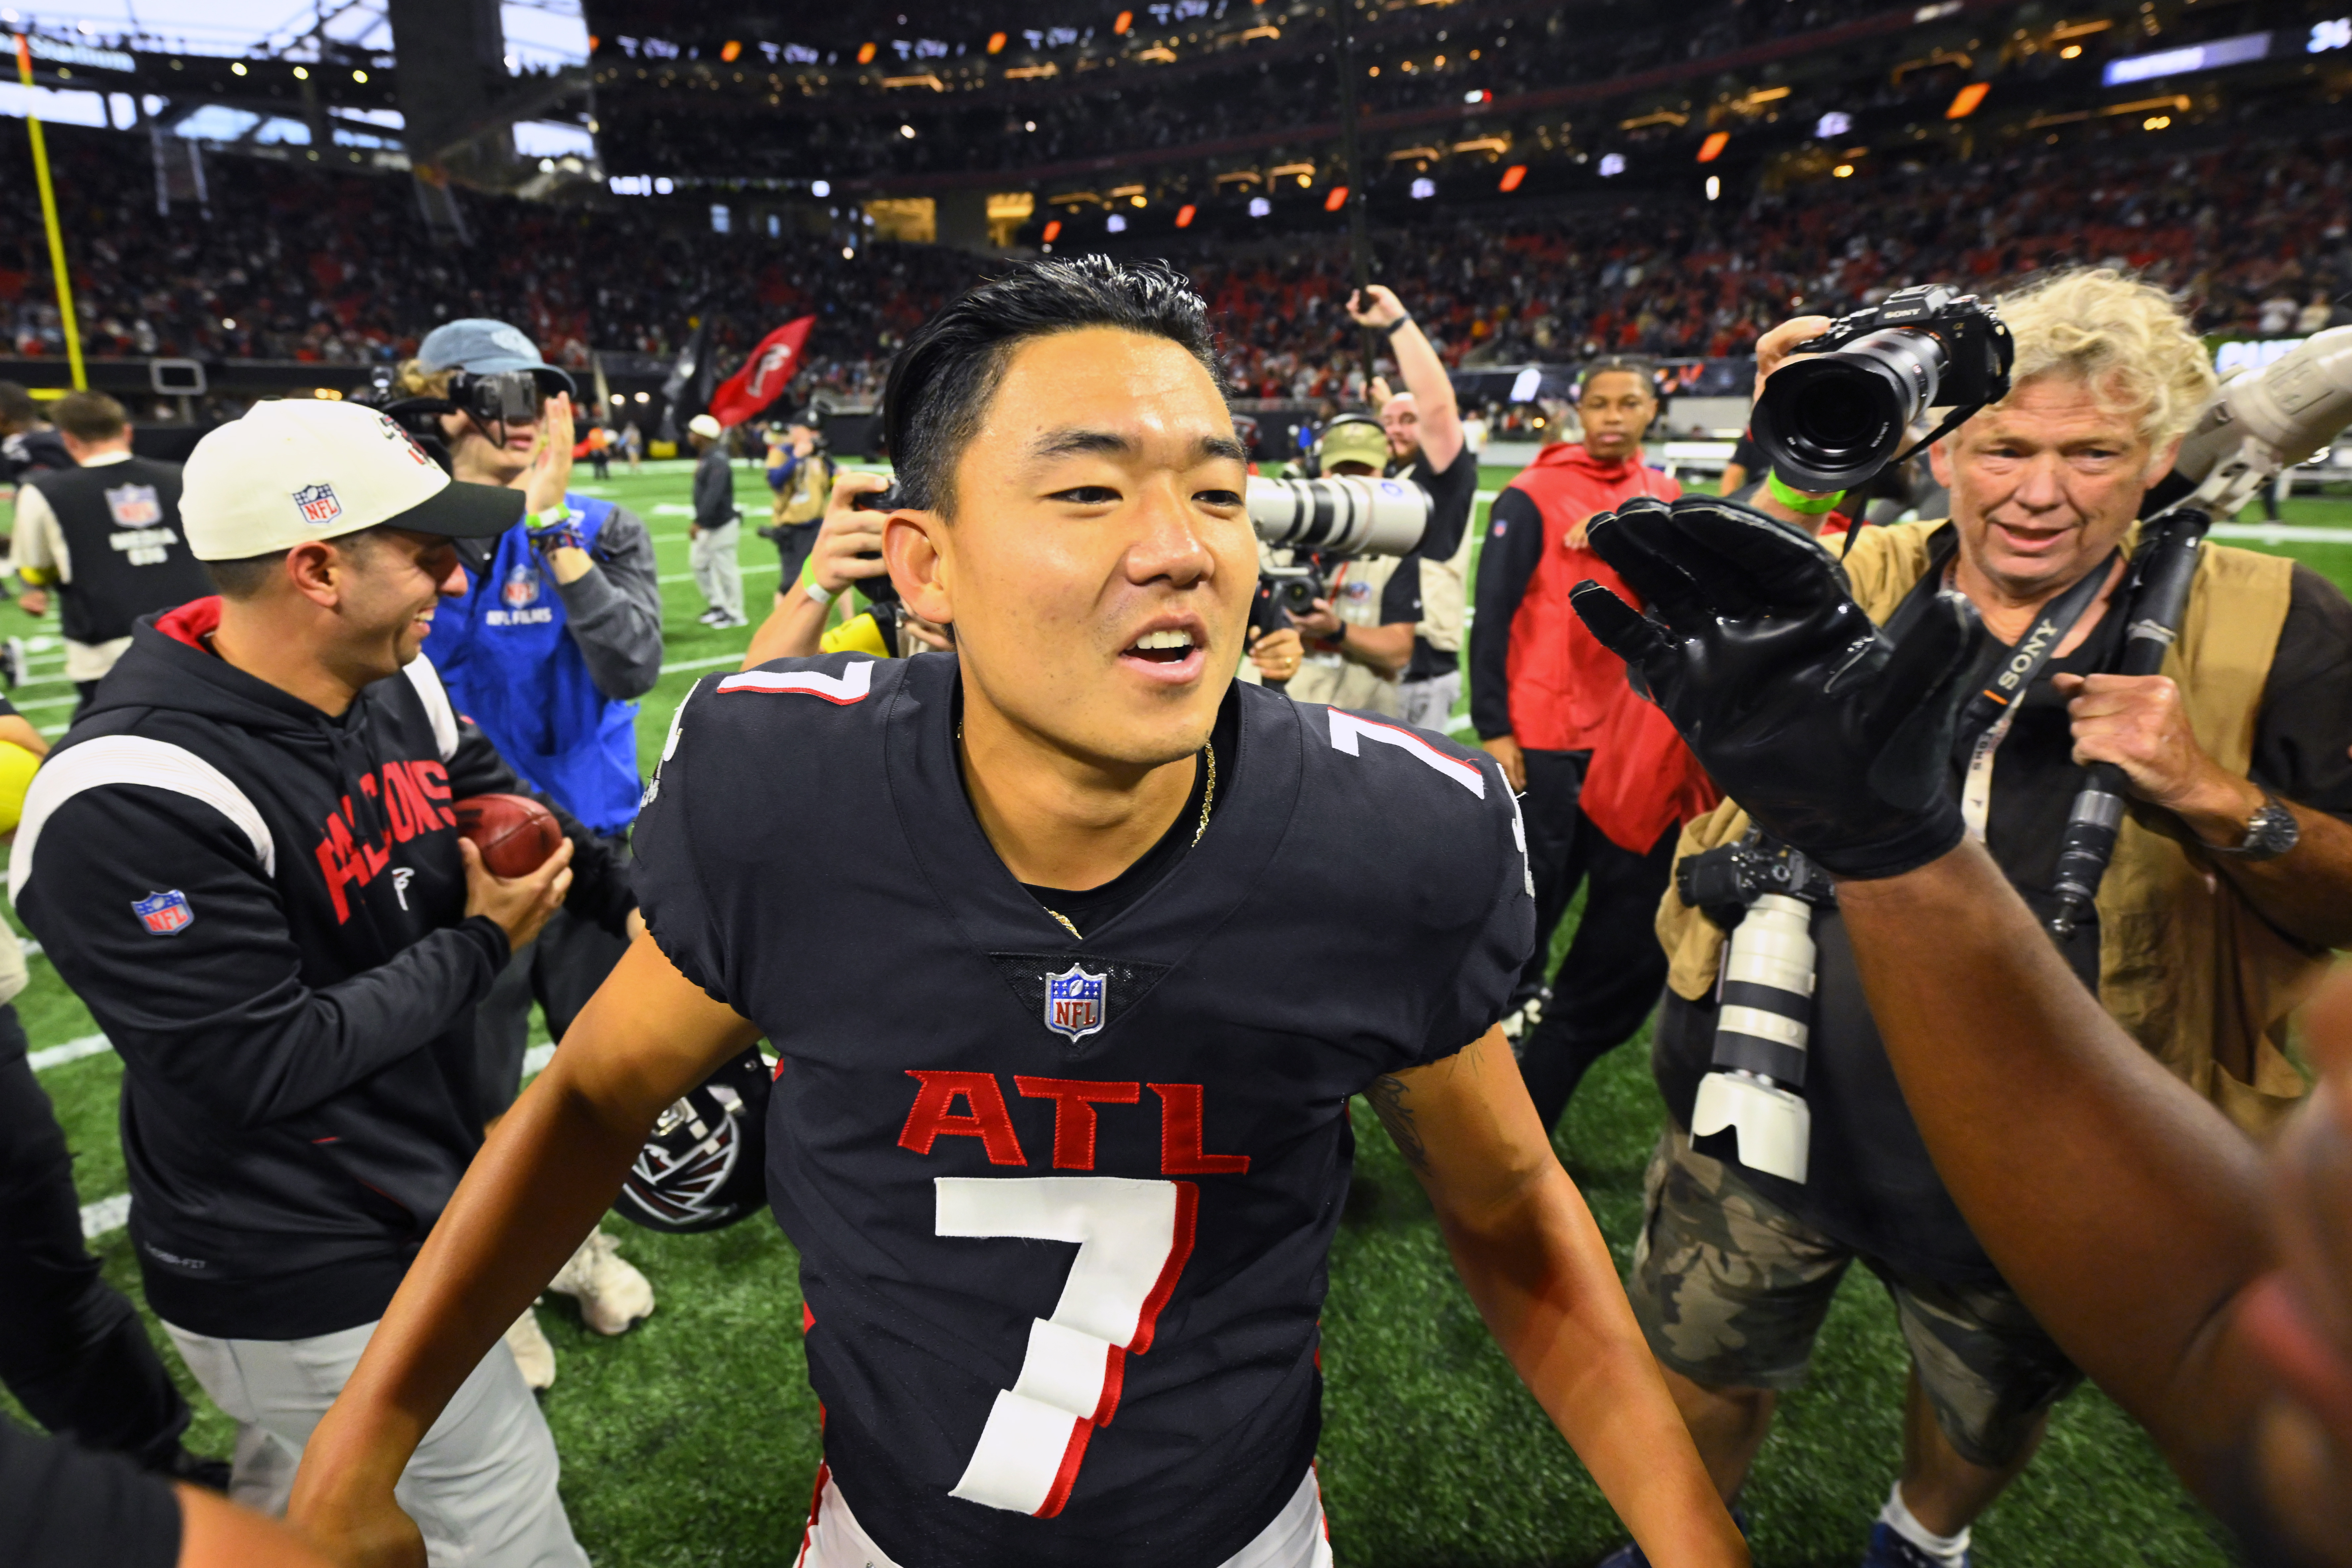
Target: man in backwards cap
[{"x": 244, "y": 859}]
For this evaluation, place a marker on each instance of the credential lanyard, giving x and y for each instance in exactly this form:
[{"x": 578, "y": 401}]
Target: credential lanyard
[{"x": 1995, "y": 706}]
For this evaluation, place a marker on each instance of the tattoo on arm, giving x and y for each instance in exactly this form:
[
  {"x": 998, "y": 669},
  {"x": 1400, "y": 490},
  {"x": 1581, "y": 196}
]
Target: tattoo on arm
[{"x": 1388, "y": 1096}]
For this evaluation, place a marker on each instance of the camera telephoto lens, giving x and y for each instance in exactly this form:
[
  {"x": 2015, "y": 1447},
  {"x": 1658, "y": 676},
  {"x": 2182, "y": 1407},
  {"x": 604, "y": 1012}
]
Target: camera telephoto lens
[
  {"x": 1832, "y": 423},
  {"x": 1340, "y": 516}
]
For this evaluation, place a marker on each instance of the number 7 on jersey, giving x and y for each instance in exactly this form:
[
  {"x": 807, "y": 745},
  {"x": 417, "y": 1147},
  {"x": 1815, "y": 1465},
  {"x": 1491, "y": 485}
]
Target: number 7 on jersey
[{"x": 1133, "y": 1239}]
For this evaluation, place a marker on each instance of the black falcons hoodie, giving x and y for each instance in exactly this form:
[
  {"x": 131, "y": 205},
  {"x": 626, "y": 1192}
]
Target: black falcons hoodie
[{"x": 265, "y": 908}]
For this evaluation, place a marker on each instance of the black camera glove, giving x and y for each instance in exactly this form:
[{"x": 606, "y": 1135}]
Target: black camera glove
[{"x": 1834, "y": 738}]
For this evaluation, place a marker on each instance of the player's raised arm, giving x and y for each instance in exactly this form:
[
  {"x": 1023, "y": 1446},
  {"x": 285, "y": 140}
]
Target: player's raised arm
[
  {"x": 1534, "y": 1261},
  {"x": 538, "y": 1187}
]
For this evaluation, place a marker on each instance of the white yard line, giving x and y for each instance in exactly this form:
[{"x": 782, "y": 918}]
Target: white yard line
[
  {"x": 72, "y": 1051},
  {"x": 687, "y": 664}
]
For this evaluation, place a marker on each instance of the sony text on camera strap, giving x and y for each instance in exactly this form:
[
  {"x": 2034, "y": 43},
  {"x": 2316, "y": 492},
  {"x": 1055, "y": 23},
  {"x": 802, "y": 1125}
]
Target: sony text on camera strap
[{"x": 2012, "y": 677}]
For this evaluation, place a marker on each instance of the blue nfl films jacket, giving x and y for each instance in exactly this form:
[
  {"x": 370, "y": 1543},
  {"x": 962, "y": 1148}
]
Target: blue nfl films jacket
[{"x": 505, "y": 653}]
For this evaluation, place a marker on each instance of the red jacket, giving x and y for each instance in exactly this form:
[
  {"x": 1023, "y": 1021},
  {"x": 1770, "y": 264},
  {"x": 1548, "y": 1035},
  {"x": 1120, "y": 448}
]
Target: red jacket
[
  {"x": 1551, "y": 684},
  {"x": 1556, "y": 685}
]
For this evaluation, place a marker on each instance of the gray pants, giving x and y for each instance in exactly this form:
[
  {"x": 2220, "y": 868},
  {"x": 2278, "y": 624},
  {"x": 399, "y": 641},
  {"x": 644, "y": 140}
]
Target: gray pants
[
  {"x": 715, "y": 571},
  {"x": 560, "y": 971},
  {"x": 1429, "y": 704},
  {"x": 481, "y": 1486}
]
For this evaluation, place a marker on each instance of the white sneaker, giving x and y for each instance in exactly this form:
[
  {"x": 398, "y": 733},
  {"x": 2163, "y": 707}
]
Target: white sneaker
[
  {"x": 610, "y": 1292},
  {"x": 534, "y": 1357}
]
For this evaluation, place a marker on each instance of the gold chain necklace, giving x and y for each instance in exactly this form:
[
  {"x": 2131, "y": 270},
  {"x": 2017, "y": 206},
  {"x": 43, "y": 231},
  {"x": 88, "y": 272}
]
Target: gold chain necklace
[{"x": 1208, "y": 802}]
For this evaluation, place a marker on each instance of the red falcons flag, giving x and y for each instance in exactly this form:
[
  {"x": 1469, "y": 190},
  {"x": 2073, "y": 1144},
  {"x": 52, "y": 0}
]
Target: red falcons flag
[{"x": 764, "y": 375}]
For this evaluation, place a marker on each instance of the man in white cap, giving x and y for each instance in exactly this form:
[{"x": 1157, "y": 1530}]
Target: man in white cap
[
  {"x": 717, "y": 525},
  {"x": 244, "y": 858}
]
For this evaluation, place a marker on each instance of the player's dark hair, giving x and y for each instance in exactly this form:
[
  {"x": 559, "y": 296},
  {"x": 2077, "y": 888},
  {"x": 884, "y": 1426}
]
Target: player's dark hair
[
  {"x": 942, "y": 381},
  {"x": 1621, "y": 365},
  {"x": 18, "y": 408}
]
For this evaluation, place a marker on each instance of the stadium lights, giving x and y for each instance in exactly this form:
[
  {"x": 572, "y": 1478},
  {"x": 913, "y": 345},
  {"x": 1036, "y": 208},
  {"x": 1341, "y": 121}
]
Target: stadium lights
[
  {"x": 1611, "y": 165},
  {"x": 1259, "y": 206},
  {"x": 1184, "y": 215},
  {"x": 1511, "y": 177},
  {"x": 2071, "y": 52},
  {"x": 301, "y": 73},
  {"x": 1713, "y": 187},
  {"x": 1336, "y": 200},
  {"x": 2240, "y": 50},
  {"x": 1844, "y": 171},
  {"x": 645, "y": 397},
  {"x": 1833, "y": 125},
  {"x": 2335, "y": 34},
  {"x": 236, "y": 67},
  {"x": 1712, "y": 148},
  {"x": 229, "y": 323},
  {"x": 1135, "y": 201},
  {"x": 1965, "y": 101},
  {"x": 1115, "y": 223},
  {"x": 849, "y": 253},
  {"x": 819, "y": 189},
  {"x": 359, "y": 76},
  {"x": 1422, "y": 189},
  {"x": 907, "y": 131}
]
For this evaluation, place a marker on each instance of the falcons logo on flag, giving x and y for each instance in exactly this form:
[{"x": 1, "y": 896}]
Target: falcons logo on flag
[{"x": 764, "y": 375}]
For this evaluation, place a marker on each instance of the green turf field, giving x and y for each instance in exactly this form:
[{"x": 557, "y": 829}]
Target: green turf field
[{"x": 692, "y": 1441}]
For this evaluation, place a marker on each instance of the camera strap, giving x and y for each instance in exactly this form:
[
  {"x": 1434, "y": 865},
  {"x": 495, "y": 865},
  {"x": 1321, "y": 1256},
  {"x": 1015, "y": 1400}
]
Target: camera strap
[{"x": 1989, "y": 713}]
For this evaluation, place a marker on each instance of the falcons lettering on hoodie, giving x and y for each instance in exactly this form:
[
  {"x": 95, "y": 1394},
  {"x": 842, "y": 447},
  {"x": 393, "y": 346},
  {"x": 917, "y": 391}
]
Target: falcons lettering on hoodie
[{"x": 414, "y": 798}]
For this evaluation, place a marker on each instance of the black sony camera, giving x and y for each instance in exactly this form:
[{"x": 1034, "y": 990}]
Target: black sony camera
[
  {"x": 1832, "y": 423},
  {"x": 1722, "y": 882}
]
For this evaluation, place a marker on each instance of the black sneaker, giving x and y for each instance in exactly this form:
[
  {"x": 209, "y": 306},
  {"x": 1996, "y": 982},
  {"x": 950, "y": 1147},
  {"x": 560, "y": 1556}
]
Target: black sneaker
[{"x": 12, "y": 662}]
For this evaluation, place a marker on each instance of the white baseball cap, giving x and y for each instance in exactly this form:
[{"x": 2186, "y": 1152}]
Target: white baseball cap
[
  {"x": 294, "y": 470},
  {"x": 704, "y": 426}
]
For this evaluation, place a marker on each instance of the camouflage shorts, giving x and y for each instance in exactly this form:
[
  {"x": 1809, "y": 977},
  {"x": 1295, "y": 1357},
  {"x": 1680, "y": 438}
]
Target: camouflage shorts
[{"x": 1730, "y": 1288}]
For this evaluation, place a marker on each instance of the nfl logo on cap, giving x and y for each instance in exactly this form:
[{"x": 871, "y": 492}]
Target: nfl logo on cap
[
  {"x": 163, "y": 914},
  {"x": 1073, "y": 1002},
  {"x": 318, "y": 504}
]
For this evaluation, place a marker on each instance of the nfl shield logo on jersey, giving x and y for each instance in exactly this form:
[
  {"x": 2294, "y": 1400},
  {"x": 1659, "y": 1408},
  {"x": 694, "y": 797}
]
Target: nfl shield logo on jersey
[
  {"x": 135, "y": 506},
  {"x": 521, "y": 586},
  {"x": 163, "y": 914},
  {"x": 1073, "y": 1002},
  {"x": 318, "y": 504}
]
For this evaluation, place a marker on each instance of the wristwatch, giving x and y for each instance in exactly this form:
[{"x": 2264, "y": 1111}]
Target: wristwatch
[
  {"x": 1334, "y": 639},
  {"x": 2270, "y": 832}
]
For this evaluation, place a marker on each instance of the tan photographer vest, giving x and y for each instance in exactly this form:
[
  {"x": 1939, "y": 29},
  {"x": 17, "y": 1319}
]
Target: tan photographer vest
[{"x": 2185, "y": 964}]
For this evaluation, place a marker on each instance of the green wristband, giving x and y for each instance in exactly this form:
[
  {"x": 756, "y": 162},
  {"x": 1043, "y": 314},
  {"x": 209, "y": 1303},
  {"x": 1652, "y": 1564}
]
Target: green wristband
[{"x": 1798, "y": 501}]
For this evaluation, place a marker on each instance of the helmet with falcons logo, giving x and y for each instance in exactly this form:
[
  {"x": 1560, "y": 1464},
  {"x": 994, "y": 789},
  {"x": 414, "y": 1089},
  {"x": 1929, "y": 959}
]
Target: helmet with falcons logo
[{"x": 704, "y": 1165}]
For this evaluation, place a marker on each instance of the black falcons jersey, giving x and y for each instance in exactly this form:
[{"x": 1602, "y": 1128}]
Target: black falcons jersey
[{"x": 1063, "y": 1206}]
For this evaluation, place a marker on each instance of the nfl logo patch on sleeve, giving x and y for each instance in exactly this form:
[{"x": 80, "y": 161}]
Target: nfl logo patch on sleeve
[{"x": 163, "y": 914}]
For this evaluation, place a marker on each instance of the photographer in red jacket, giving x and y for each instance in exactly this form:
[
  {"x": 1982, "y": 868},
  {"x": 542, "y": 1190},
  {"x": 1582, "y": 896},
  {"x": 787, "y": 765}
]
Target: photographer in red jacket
[{"x": 1547, "y": 699}]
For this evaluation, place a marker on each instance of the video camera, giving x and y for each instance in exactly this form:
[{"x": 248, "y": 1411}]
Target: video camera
[
  {"x": 1832, "y": 423},
  {"x": 1321, "y": 520}
]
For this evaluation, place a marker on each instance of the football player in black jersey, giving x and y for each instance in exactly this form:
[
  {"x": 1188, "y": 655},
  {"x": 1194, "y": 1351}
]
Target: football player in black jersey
[{"x": 1061, "y": 1127}]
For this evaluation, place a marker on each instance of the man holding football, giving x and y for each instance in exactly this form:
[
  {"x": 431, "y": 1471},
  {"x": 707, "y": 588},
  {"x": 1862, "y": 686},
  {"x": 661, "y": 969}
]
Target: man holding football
[{"x": 1060, "y": 1131}]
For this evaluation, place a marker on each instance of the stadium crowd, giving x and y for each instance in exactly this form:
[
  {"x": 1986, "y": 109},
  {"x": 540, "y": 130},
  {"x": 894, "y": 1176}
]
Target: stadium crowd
[{"x": 291, "y": 263}]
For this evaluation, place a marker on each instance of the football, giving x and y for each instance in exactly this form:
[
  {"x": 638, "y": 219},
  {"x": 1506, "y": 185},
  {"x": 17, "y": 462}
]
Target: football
[{"x": 515, "y": 833}]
